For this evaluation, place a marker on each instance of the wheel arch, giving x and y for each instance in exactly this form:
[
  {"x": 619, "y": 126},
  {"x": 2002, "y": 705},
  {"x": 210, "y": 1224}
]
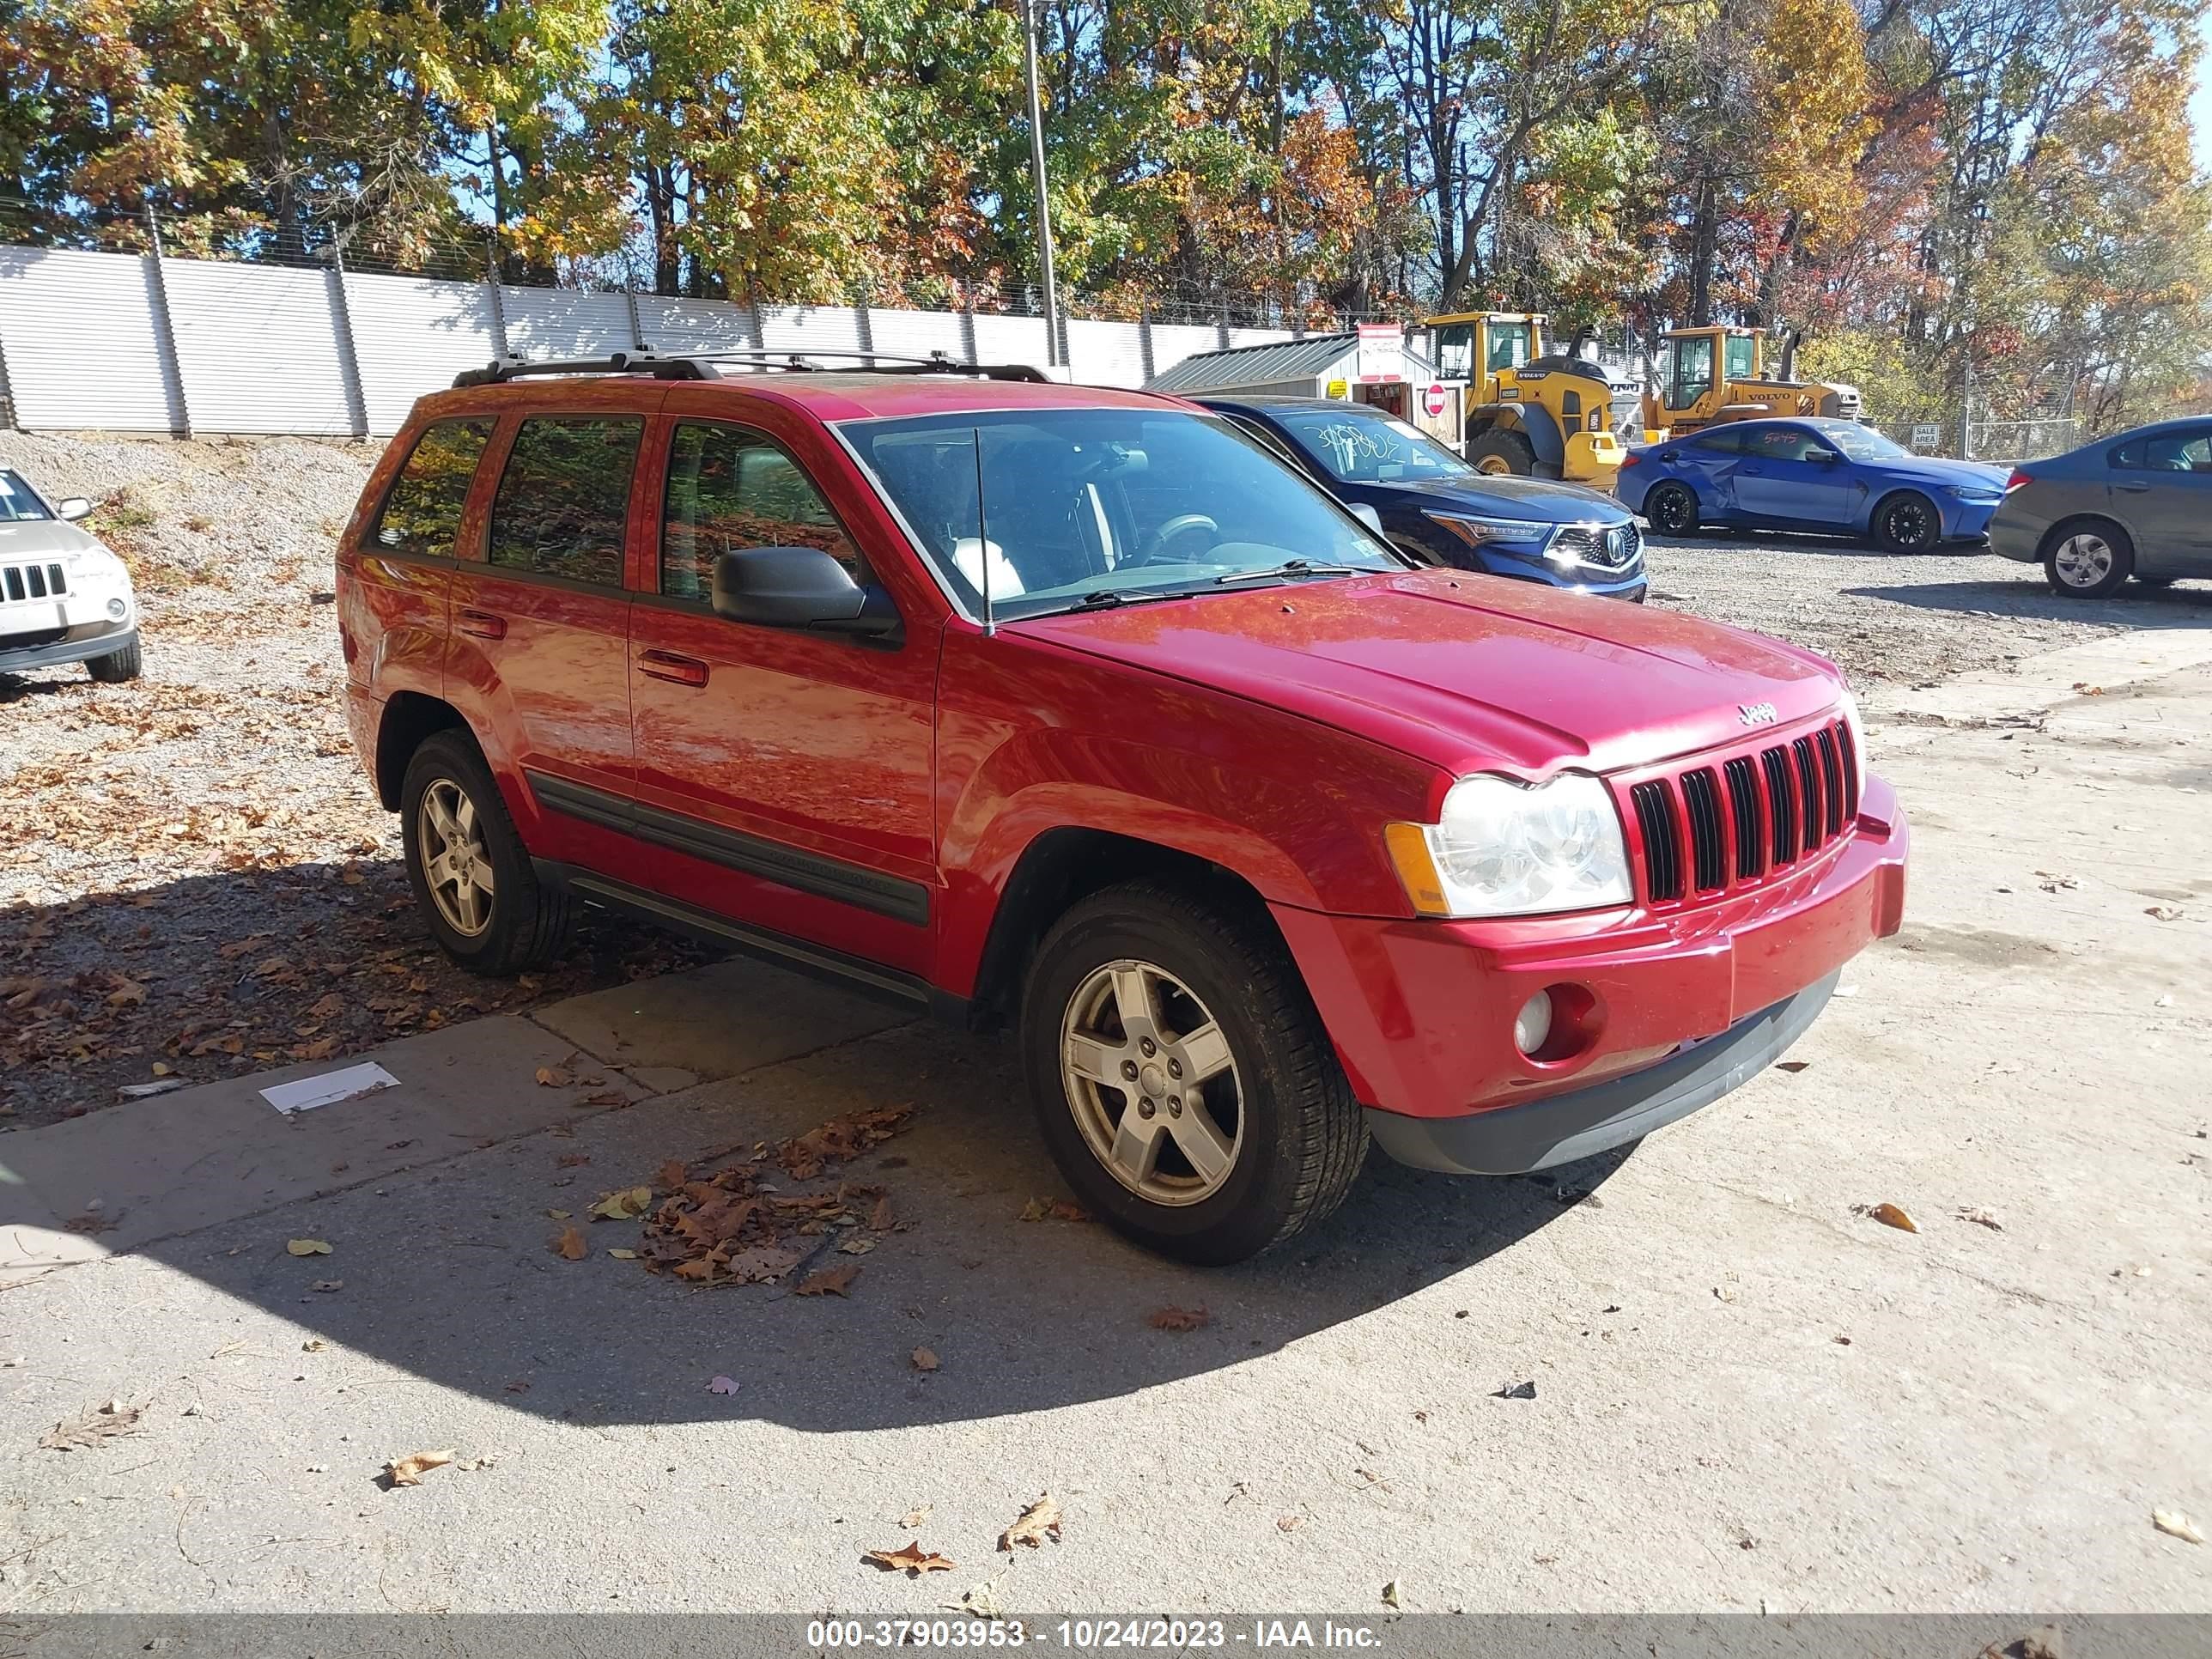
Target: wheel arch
[
  {"x": 1062, "y": 867},
  {"x": 2061, "y": 528},
  {"x": 410, "y": 718},
  {"x": 1532, "y": 421}
]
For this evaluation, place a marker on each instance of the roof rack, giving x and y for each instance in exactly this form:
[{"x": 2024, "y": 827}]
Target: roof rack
[{"x": 703, "y": 366}]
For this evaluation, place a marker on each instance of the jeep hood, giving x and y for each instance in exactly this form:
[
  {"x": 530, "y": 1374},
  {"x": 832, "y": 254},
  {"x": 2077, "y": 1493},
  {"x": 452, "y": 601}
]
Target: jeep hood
[{"x": 1469, "y": 672}]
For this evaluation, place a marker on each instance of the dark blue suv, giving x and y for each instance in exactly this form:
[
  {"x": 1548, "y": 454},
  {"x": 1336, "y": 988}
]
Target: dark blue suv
[{"x": 1436, "y": 507}]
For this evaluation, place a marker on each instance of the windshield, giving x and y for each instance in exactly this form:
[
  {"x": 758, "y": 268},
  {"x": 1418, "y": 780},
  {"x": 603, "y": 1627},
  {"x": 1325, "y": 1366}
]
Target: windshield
[
  {"x": 16, "y": 501},
  {"x": 1369, "y": 448},
  {"x": 1862, "y": 443},
  {"x": 1101, "y": 506}
]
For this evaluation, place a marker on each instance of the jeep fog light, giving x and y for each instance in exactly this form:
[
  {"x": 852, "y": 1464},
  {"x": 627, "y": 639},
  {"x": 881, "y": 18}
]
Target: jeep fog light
[
  {"x": 1533, "y": 1024},
  {"x": 115, "y": 609}
]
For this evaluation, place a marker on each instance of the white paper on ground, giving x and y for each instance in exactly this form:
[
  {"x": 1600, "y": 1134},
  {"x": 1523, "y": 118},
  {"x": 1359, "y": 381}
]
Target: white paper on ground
[{"x": 305, "y": 1094}]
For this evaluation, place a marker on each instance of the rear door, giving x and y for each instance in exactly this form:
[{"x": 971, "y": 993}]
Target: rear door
[
  {"x": 541, "y": 630},
  {"x": 2161, "y": 486}
]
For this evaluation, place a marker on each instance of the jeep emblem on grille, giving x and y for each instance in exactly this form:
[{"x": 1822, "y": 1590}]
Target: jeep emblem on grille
[{"x": 1756, "y": 713}]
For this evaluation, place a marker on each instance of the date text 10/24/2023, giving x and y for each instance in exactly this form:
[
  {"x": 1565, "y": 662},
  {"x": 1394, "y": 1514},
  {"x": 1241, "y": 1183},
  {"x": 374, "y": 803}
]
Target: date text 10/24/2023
[{"x": 1089, "y": 1635}]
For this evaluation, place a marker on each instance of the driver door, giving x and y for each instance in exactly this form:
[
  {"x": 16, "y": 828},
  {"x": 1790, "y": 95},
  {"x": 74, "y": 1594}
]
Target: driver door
[
  {"x": 1775, "y": 481},
  {"x": 783, "y": 777}
]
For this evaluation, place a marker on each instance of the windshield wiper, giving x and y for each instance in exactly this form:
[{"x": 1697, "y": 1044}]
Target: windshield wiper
[{"x": 1291, "y": 570}]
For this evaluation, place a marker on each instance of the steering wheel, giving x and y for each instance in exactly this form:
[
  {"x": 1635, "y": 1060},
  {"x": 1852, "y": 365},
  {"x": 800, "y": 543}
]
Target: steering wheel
[{"x": 1182, "y": 524}]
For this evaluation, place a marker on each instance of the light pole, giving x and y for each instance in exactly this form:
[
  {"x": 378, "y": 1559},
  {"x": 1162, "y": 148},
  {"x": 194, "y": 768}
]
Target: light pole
[{"x": 1037, "y": 179}]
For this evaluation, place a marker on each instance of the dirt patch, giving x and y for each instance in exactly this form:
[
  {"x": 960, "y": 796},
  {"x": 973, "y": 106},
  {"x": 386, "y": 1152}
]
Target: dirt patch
[{"x": 194, "y": 874}]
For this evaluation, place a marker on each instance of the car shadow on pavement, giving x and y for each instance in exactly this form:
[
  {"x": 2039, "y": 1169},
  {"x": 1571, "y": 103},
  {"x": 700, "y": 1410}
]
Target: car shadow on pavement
[
  {"x": 2188, "y": 605},
  {"x": 446, "y": 1271}
]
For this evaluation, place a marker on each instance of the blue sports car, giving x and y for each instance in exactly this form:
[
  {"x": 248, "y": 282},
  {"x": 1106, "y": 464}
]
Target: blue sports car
[{"x": 1823, "y": 475}]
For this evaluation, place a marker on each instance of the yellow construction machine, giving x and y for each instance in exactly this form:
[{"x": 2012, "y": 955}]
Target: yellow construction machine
[
  {"x": 1546, "y": 416},
  {"x": 1711, "y": 374}
]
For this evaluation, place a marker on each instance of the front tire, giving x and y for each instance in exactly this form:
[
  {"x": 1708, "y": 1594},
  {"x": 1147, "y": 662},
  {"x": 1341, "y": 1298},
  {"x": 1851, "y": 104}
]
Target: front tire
[
  {"x": 2087, "y": 558},
  {"x": 1181, "y": 1077},
  {"x": 1907, "y": 523},
  {"x": 1672, "y": 509},
  {"x": 118, "y": 666},
  {"x": 479, "y": 895}
]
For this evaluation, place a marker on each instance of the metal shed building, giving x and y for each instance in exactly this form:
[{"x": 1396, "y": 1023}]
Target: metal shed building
[{"x": 1323, "y": 366}]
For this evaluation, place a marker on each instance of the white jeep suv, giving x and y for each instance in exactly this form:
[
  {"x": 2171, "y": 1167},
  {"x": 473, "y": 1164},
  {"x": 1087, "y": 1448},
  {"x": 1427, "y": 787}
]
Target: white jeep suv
[{"x": 64, "y": 598}]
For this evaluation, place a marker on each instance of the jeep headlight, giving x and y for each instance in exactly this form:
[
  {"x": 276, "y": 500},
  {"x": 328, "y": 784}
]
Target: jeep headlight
[{"x": 1503, "y": 848}]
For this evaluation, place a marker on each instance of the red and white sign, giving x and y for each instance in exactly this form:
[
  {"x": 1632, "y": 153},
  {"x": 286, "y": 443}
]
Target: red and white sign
[
  {"x": 1381, "y": 356},
  {"x": 1435, "y": 399}
]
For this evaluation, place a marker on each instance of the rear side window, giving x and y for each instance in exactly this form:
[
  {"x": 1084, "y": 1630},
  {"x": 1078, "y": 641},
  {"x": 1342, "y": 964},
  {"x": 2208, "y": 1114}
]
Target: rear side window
[
  {"x": 422, "y": 512},
  {"x": 730, "y": 488},
  {"x": 1725, "y": 443},
  {"x": 563, "y": 501}
]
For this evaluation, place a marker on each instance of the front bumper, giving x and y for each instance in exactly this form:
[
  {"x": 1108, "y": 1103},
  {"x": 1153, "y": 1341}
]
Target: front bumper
[
  {"x": 1515, "y": 1140},
  {"x": 83, "y": 644},
  {"x": 1421, "y": 1012}
]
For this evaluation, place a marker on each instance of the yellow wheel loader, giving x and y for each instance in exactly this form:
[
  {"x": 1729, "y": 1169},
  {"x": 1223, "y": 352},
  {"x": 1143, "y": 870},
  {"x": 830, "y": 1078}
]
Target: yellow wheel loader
[
  {"x": 1707, "y": 375},
  {"x": 1545, "y": 415}
]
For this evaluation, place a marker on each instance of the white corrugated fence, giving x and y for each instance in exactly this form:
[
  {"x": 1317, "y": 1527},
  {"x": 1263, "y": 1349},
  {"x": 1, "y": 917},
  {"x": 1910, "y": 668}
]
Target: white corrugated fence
[{"x": 129, "y": 343}]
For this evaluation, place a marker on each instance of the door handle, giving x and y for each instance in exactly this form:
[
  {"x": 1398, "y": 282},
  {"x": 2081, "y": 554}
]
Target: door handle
[
  {"x": 2133, "y": 488},
  {"x": 482, "y": 624},
  {"x": 1756, "y": 471},
  {"x": 667, "y": 666}
]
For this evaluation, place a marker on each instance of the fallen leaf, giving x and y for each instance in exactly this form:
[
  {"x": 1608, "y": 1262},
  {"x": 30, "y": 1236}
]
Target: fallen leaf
[
  {"x": 911, "y": 1561},
  {"x": 803, "y": 1157},
  {"x": 570, "y": 1246},
  {"x": 1980, "y": 1219},
  {"x": 980, "y": 1601},
  {"x": 1289, "y": 1522},
  {"x": 111, "y": 1421},
  {"x": 623, "y": 1256},
  {"x": 912, "y": 1520},
  {"x": 557, "y": 1215},
  {"x": 307, "y": 1246},
  {"x": 1390, "y": 1597},
  {"x": 1724, "y": 1293},
  {"x": 1792, "y": 1066},
  {"x": 1517, "y": 1391},
  {"x": 1178, "y": 1319},
  {"x": 2163, "y": 913},
  {"x": 312, "y": 1345},
  {"x": 1039, "y": 1522},
  {"x": 673, "y": 1174},
  {"x": 624, "y": 1205},
  {"x": 553, "y": 1076},
  {"x": 410, "y": 1470},
  {"x": 2176, "y": 1524},
  {"x": 830, "y": 1282},
  {"x": 925, "y": 1359},
  {"x": 880, "y": 1219},
  {"x": 720, "y": 1384},
  {"x": 856, "y": 1246},
  {"x": 1888, "y": 1214}
]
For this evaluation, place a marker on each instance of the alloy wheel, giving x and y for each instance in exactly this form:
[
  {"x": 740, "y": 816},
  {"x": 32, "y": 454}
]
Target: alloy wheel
[
  {"x": 1909, "y": 525},
  {"x": 1672, "y": 513},
  {"x": 2083, "y": 560},
  {"x": 1153, "y": 1086},
  {"x": 456, "y": 863}
]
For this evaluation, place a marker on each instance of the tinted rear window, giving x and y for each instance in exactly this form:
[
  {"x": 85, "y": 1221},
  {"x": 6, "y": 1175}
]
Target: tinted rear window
[
  {"x": 423, "y": 514},
  {"x": 564, "y": 502}
]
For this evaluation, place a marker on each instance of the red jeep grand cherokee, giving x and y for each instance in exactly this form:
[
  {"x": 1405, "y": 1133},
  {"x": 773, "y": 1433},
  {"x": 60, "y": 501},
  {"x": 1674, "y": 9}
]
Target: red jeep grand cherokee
[{"x": 1074, "y": 709}]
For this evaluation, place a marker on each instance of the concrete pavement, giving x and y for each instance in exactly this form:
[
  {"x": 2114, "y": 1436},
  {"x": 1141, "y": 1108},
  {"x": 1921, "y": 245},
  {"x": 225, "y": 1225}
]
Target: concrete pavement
[{"x": 1748, "y": 1394}]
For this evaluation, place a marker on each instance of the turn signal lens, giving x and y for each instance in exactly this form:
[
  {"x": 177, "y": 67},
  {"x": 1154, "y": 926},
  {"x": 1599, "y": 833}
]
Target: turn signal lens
[
  {"x": 1632, "y": 459},
  {"x": 1408, "y": 844}
]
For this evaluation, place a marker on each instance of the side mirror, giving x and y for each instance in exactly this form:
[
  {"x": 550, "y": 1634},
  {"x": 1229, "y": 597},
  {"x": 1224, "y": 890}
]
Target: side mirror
[
  {"x": 75, "y": 508},
  {"x": 1366, "y": 515},
  {"x": 799, "y": 587},
  {"x": 1823, "y": 456}
]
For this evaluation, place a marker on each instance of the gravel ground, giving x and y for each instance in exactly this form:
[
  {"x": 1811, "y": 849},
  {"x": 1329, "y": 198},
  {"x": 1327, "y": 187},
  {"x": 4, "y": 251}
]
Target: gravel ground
[
  {"x": 1909, "y": 618},
  {"x": 195, "y": 880}
]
